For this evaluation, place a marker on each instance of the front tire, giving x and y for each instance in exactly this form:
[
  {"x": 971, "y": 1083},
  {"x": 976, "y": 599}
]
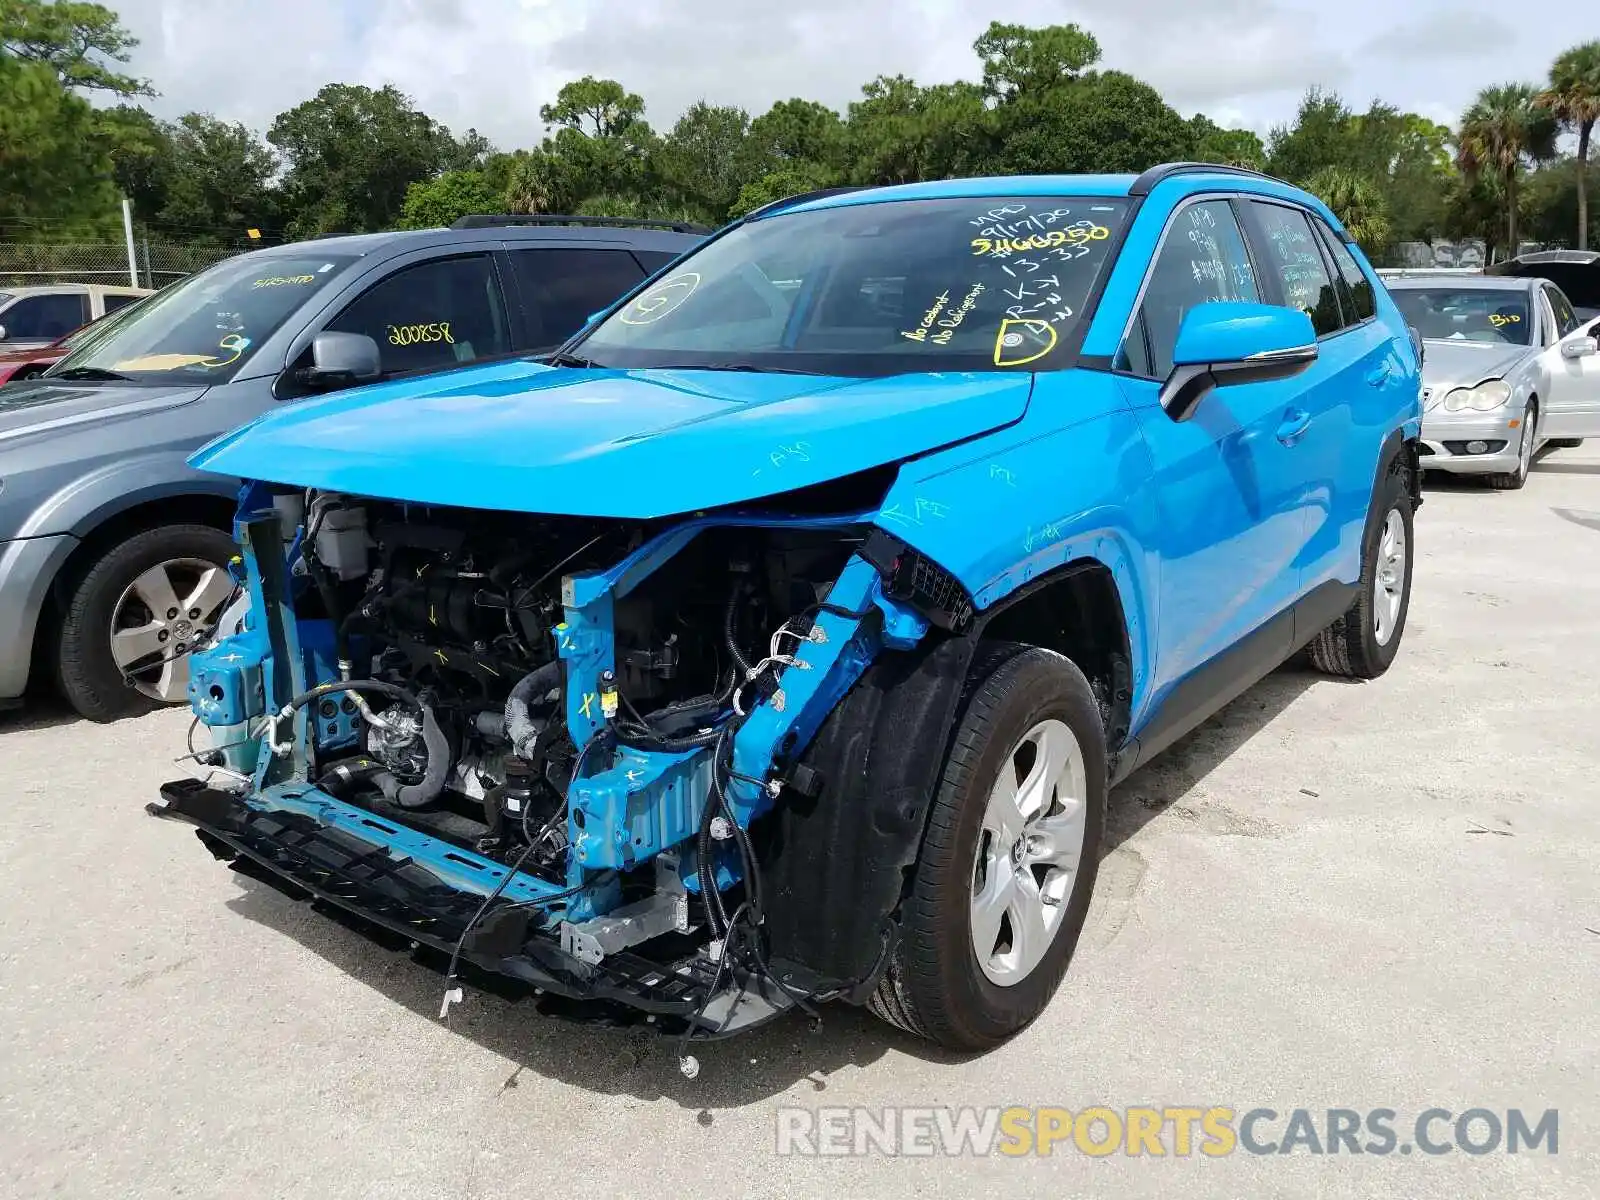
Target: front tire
[
  {"x": 1007, "y": 868},
  {"x": 136, "y": 614},
  {"x": 1511, "y": 481},
  {"x": 1363, "y": 643}
]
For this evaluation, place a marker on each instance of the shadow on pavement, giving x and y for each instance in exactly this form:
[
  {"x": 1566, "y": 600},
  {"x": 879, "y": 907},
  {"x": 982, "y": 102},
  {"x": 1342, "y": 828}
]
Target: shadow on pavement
[
  {"x": 36, "y": 713},
  {"x": 769, "y": 1061},
  {"x": 1153, "y": 789}
]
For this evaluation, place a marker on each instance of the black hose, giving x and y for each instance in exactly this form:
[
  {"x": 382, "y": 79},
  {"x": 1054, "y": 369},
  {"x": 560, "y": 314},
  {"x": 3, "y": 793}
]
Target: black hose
[
  {"x": 739, "y": 660},
  {"x": 355, "y": 685},
  {"x": 520, "y": 730},
  {"x": 420, "y": 795}
]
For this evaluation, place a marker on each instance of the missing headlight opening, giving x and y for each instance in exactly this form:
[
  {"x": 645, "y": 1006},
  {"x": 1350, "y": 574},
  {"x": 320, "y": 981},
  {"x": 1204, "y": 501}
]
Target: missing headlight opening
[{"x": 542, "y": 746}]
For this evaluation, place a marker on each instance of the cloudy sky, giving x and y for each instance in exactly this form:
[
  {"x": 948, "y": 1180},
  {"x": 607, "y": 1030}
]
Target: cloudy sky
[{"x": 491, "y": 63}]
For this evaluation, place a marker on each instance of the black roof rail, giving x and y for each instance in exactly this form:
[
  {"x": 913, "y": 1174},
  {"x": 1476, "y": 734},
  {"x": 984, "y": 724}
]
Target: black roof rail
[
  {"x": 1157, "y": 174},
  {"x": 502, "y": 220},
  {"x": 804, "y": 197}
]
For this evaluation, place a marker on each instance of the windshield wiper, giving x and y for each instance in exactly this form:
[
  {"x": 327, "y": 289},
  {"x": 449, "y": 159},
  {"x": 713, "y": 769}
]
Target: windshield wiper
[
  {"x": 99, "y": 373},
  {"x": 562, "y": 359}
]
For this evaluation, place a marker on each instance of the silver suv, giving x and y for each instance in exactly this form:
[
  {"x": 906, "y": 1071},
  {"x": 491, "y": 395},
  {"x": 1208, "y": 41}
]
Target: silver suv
[{"x": 114, "y": 554}]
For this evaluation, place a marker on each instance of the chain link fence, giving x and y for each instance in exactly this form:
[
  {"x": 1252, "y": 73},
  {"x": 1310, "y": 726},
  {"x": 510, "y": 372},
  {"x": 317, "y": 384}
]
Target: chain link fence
[{"x": 155, "y": 263}]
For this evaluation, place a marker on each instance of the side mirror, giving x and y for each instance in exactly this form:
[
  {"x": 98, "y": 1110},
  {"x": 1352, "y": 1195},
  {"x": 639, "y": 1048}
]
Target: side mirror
[
  {"x": 1227, "y": 343},
  {"x": 1579, "y": 347},
  {"x": 342, "y": 359}
]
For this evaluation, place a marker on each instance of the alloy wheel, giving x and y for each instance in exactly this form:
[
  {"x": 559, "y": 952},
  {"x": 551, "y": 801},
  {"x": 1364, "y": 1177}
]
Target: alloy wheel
[{"x": 166, "y": 612}]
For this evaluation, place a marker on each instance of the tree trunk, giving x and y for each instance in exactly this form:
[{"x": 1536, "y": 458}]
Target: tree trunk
[
  {"x": 1583, "y": 184},
  {"x": 1511, "y": 213}
]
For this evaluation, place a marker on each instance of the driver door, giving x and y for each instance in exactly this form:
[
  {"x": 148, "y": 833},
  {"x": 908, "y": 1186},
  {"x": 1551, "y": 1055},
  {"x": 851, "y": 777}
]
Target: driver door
[{"x": 1572, "y": 405}]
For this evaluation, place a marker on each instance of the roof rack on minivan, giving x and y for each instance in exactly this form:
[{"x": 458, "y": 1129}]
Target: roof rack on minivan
[
  {"x": 1143, "y": 185},
  {"x": 498, "y": 220}
]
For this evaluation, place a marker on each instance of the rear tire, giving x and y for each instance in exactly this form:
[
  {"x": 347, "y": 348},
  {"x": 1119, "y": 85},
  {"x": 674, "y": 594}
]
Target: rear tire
[
  {"x": 92, "y": 680},
  {"x": 1363, "y": 643},
  {"x": 1031, "y": 713}
]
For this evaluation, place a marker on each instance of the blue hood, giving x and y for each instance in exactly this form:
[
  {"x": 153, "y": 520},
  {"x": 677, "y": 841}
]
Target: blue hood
[{"x": 523, "y": 437}]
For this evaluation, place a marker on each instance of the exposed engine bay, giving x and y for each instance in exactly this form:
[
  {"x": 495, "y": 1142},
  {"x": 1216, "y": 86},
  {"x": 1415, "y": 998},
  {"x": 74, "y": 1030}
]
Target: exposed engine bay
[{"x": 544, "y": 743}]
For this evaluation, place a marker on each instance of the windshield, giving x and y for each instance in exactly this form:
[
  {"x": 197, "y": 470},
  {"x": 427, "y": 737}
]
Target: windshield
[
  {"x": 204, "y": 328},
  {"x": 1467, "y": 314},
  {"x": 874, "y": 289}
]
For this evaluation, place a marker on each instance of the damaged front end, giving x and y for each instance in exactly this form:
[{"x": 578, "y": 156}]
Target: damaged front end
[{"x": 545, "y": 748}]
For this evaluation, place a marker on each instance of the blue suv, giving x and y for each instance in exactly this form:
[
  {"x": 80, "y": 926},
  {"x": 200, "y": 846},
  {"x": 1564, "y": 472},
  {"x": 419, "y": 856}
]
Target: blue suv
[{"x": 777, "y": 640}]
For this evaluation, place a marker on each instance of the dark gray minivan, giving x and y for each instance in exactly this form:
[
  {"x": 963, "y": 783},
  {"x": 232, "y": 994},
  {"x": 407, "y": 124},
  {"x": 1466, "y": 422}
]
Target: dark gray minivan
[{"x": 113, "y": 552}]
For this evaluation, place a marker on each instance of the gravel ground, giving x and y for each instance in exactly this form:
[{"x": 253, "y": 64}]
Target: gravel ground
[{"x": 1364, "y": 896}]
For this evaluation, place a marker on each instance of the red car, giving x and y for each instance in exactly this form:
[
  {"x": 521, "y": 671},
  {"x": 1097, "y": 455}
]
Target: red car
[{"x": 17, "y": 365}]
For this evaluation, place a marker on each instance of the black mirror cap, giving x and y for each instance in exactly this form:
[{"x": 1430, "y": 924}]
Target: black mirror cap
[
  {"x": 1188, "y": 384},
  {"x": 342, "y": 360}
]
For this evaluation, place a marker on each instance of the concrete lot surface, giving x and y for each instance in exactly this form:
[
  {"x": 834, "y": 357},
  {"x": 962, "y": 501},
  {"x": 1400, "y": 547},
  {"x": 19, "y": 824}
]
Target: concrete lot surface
[{"x": 1333, "y": 895}]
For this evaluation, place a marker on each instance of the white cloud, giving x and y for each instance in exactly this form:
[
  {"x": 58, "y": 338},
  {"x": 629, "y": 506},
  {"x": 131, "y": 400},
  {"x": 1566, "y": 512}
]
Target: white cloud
[{"x": 491, "y": 63}]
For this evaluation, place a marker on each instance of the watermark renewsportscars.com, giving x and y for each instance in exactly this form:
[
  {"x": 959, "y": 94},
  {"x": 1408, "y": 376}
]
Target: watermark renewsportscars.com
[{"x": 1162, "y": 1131}]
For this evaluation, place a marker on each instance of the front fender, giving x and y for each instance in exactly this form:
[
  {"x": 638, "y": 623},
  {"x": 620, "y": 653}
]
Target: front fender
[
  {"x": 87, "y": 501},
  {"x": 1018, "y": 504}
]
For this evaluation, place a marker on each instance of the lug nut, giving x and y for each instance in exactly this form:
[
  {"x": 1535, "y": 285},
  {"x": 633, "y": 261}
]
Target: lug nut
[
  {"x": 172, "y": 614},
  {"x": 194, "y": 614},
  {"x": 161, "y": 635}
]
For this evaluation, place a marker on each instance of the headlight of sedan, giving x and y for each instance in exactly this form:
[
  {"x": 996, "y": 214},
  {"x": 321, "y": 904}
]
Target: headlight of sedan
[{"x": 1490, "y": 394}]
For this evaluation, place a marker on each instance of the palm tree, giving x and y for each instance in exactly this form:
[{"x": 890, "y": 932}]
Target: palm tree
[
  {"x": 1573, "y": 98},
  {"x": 1503, "y": 129},
  {"x": 1358, "y": 202}
]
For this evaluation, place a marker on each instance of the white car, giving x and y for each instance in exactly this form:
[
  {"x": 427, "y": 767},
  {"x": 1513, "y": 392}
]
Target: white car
[
  {"x": 1507, "y": 367},
  {"x": 38, "y": 314}
]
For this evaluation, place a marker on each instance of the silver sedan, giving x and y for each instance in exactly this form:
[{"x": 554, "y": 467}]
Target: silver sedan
[{"x": 1507, "y": 368}]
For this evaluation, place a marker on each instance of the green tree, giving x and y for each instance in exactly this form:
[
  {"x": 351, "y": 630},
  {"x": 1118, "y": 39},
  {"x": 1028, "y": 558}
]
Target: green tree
[
  {"x": 217, "y": 180},
  {"x": 352, "y": 152},
  {"x": 1501, "y": 133},
  {"x": 54, "y": 169},
  {"x": 539, "y": 182},
  {"x": 1323, "y": 134},
  {"x": 1358, "y": 202},
  {"x": 78, "y": 42},
  {"x": 1104, "y": 121},
  {"x": 1573, "y": 98},
  {"x": 1231, "y": 147},
  {"x": 431, "y": 203},
  {"x": 899, "y": 132},
  {"x": 794, "y": 179},
  {"x": 797, "y": 131},
  {"x": 702, "y": 159},
  {"x": 599, "y": 108},
  {"x": 1018, "y": 59}
]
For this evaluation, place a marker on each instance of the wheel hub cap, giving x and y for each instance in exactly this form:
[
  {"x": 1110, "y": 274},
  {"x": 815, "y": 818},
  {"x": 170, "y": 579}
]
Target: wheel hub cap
[
  {"x": 1388, "y": 590},
  {"x": 161, "y": 616},
  {"x": 1030, "y": 847}
]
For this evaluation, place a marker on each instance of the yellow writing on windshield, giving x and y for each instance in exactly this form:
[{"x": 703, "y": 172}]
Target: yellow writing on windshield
[
  {"x": 1499, "y": 319},
  {"x": 920, "y": 333},
  {"x": 661, "y": 299},
  {"x": 1023, "y": 340},
  {"x": 235, "y": 344},
  {"x": 283, "y": 281},
  {"x": 413, "y": 335},
  {"x": 1078, "y": 235}
]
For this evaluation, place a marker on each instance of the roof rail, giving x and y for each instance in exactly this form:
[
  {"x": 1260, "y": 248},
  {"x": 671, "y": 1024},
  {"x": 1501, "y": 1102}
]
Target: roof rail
[
  {"x": 501, "y": 220},
  {"x": 1157, "y": 174},
  {"x": 804, "y": 197}
]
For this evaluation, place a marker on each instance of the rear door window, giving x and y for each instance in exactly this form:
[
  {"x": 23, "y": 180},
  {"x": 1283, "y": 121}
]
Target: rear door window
[
  {"x": 1355, "y": 289},
  {"x": 46, "y": 317},
  {"x": 560, "y": 288},
  {"x": 432, "y": 314},
  {"x": 1290, "y": 252}
]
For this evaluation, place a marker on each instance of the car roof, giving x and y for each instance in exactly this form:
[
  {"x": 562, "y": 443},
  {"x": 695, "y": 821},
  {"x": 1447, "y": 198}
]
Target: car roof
[
  {"x": 1175, "y": 181},
  {"x": 1488, "y": 283},
  {"x": 362, "y": 244}
]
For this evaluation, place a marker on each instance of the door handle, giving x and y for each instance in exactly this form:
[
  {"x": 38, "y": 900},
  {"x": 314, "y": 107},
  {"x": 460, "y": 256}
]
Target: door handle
[
  {"x": 1379, "y": 377},
  {"x": 1295, "y": 422}
]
